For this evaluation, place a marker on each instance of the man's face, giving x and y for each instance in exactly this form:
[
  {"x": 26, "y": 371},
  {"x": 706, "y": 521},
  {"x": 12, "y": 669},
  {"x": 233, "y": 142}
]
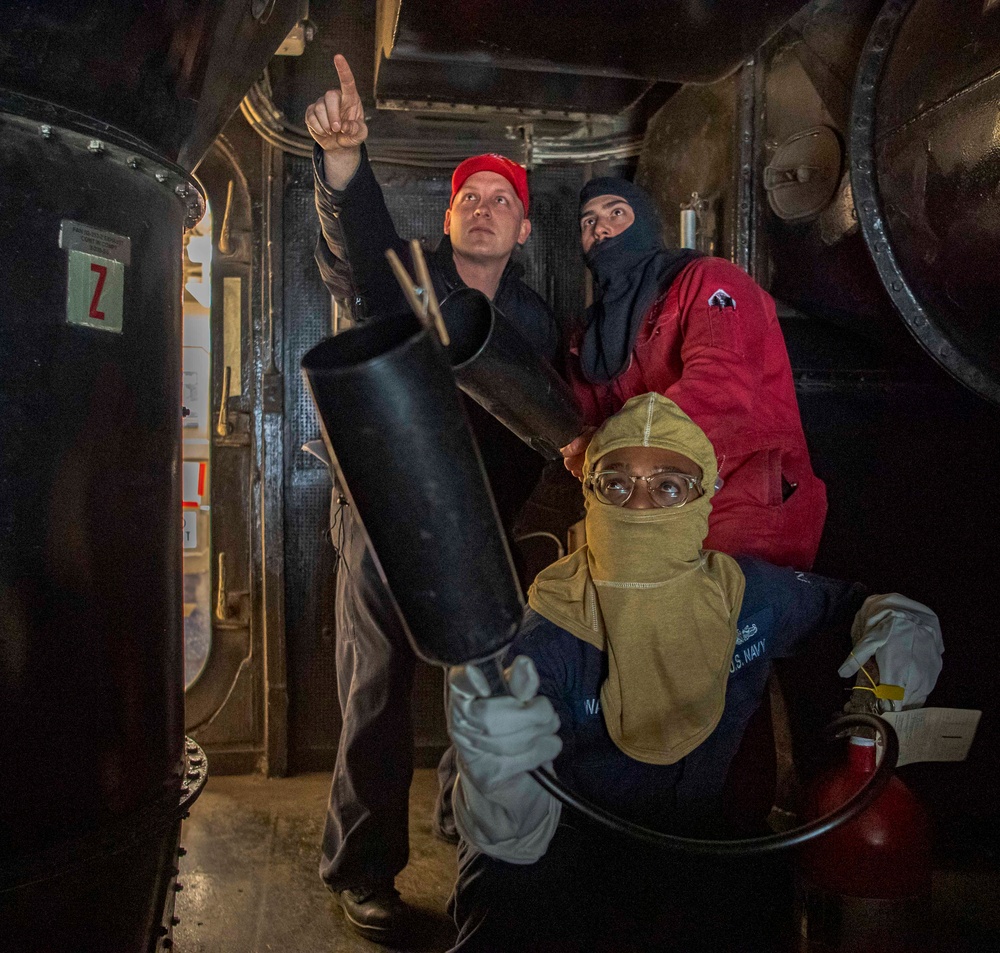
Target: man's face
[
  {"x": 604, "y": 217},
  {"x": 647, "y": 462},
  {"x": 486, "y": 219}
]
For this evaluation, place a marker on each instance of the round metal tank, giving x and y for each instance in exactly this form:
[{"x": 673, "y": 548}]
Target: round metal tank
[
  {"x": 91, "y": 681},
  {"x": 925, "y": 162}
]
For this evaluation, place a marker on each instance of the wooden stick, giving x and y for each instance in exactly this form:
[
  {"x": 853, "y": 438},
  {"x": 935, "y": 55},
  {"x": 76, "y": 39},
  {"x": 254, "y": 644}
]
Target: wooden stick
[
  {"x": 406, "y": 283},
  {"x": 424, "y": 278}
]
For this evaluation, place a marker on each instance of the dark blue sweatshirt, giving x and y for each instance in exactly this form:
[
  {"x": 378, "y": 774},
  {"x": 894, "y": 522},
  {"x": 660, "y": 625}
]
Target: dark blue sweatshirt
[{"x": 781, "y": 609}]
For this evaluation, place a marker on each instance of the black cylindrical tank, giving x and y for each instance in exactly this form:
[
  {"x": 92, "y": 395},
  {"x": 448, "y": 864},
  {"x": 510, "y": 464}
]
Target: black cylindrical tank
[
  {"x": 91, "y": 679},
  {"x": 394, "y": 425},
  {"x": 925, "y": 160},
  {"x": 169, "y": 71}
]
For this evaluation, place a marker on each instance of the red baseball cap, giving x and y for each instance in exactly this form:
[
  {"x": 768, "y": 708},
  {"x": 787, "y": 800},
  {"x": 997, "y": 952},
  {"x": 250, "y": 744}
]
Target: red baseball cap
[{"x": 491, "y": 162}]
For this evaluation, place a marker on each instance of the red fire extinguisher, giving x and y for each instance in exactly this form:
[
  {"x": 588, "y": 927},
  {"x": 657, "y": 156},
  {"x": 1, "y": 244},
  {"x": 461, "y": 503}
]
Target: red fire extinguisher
[{"x": 865, "y": 886}]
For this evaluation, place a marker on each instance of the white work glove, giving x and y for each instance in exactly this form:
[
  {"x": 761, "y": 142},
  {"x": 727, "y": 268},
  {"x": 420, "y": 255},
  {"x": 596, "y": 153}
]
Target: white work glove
[
  {"x": 905, "y": 638},
  {"x": 499, "y": 807}
]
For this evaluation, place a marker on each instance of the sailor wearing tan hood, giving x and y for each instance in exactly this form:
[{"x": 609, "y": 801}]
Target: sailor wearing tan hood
[{"x": 640, "y": 661}]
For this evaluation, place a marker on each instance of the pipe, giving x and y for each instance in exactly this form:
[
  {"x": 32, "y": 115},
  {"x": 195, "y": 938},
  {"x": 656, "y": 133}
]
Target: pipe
[
  {"x": 395, "y": 428},
  {"x": 689, "y": 228},
  {"x": 496, "y": 366},
  {"x": 747, "y": 846}
]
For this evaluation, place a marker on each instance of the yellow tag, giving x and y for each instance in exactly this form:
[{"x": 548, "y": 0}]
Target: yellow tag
[{"x": 891, "y": 693}]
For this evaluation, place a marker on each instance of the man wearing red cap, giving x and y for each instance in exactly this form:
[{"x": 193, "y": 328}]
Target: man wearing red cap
[
  {"x": 366, "y": 839},
  {"x": 486, "y": 219}
]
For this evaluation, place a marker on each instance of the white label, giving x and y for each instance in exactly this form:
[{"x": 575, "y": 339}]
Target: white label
[
  {"x": 191, "y": 399},
  {"x": 933, "y": 734},
  {"x": 196, "y": 375},
  {"x": 95, "y": 290},
  {"x": 75, "y": 236},
  {"x": 191, "y": 529}
]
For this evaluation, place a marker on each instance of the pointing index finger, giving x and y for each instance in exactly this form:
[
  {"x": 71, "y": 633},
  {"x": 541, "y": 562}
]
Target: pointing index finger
[{"x": 345, "y": 75}]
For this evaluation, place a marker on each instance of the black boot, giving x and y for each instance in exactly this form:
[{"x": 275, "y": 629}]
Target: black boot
[{"x": 375, "y": 913}]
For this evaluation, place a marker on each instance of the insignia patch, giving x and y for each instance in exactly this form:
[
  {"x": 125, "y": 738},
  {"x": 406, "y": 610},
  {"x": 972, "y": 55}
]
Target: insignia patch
[
  {"x": 722, "y": 299},
  {"x": 747, "y": 632}
]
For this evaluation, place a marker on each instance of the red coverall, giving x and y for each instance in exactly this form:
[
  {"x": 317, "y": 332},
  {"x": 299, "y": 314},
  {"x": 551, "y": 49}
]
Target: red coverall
[{"x": 712, "y": 344}]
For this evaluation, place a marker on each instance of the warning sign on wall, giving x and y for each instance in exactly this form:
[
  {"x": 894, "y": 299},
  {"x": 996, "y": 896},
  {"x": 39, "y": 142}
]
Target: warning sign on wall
[
  {"x": 194, "y": 476},
  {"x": 95, "y": 288}
]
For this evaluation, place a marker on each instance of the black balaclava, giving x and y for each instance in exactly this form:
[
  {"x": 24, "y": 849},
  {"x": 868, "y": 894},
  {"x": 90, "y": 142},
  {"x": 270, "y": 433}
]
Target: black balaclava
[{"x": 631, "y": 271}]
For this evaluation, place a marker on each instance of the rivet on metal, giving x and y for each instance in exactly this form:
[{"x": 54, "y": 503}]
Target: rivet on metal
[
  {"x": 161, "y": 176},
  {"x": 95, "y": 146},
  {"x": 46, "y": 131},
  {"x": 134, "y": 162},
  {"x": 182, "y": 189}
]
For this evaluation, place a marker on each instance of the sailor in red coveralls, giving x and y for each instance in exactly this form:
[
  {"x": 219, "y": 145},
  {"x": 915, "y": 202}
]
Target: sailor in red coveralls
[{"x": 699, "y": 331}]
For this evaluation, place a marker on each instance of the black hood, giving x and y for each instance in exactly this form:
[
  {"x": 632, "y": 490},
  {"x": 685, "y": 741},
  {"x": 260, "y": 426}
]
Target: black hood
[{"x": 631, "y": 271}]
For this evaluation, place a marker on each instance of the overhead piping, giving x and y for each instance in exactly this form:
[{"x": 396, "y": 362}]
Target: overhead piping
[{"x": 270, "y": 123}]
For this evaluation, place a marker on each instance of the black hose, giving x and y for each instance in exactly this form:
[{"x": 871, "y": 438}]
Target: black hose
[{"x": 745, "y": 846}]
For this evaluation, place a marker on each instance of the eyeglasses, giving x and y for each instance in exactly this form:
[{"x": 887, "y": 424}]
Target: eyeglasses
[{"x": 665, "y": 489}]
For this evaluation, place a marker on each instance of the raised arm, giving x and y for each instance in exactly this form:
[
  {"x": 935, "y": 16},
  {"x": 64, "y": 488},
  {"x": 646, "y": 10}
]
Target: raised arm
[
  {"x": 337, "y": 122},
  {"x": 355, "y": 223}
]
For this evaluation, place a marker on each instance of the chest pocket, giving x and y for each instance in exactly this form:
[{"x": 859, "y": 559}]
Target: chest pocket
[{"x": 656, "y": 358}]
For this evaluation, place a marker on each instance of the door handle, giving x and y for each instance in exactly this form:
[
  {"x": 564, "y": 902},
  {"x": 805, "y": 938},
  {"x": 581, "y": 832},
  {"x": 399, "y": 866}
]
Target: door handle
[
  {"x": 227, "y": 600},
  {"x": 222, "y": 423},
  {"x": 225, "y": 236},
  {"x": 221, "y": 599}
]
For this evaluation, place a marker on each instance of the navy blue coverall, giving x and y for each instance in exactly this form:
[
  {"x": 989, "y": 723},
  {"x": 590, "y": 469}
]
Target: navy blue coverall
[{"x": 596, "y": 891}]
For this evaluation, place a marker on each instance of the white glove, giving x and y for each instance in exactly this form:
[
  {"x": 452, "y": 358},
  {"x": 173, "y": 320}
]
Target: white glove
[
  {"x": 905, "y": 638},
  {"x": 499, "y": 807}
]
